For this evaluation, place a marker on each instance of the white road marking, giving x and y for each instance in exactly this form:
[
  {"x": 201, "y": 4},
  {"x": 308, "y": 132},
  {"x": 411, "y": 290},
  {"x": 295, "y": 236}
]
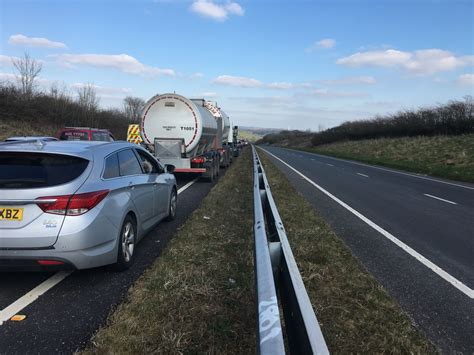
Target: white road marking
[
  {"x": 363, "y": 175},
  {"x": 413, "y": 175},
  {"x": 435, "y": 268},
  {"x": 32, "y": 296},
  {"x": 187, "y": 185},
  {"x": 329, "y": 164},
  {"x": 441, "y": 199},
  {"x": 48, "y": 284}
]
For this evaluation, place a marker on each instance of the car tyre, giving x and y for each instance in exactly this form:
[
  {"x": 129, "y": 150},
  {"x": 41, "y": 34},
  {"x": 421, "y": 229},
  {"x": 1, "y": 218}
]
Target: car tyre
[
  {"x": 126, "y": 244},
  {"x": 173, "y": 205}
]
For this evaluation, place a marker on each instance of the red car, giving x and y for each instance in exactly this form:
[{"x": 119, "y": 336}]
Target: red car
[{"x": 85, "y": 134}]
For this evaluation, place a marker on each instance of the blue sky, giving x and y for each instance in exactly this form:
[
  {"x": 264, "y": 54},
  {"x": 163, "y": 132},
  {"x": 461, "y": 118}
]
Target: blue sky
[{"x": 296, "y": 64}]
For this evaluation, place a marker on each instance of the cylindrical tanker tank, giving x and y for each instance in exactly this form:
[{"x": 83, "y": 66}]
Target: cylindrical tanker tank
[
  {"x": 174, "y": 117},
  {"x": 218, "y": 113}
]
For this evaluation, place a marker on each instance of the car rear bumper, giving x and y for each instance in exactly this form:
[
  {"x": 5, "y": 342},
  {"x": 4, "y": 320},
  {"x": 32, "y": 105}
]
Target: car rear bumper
[
  {"x": 24, "y": 259},
  {"x": 26, "y": 264}
]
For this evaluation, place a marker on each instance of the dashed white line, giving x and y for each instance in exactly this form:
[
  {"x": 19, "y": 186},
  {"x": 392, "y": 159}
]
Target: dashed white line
[
  {"x": 329, "y": 164},
  {"x": 48, "y": 284},
  {"x": 366, "y": 176},
  {"x": 429, "y": 264},
  {"x": 186, "y": 186},
  {"x": 413, "y": 175},
  {"x": 441, "y": 199},
  {"x": 32, "y": 296}
]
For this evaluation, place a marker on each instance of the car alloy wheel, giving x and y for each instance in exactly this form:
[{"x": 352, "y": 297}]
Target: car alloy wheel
[
  {"x": 128, "y": 241},
  {"x": 126, "y": 245},
  {"x": 173, "y": 206}
]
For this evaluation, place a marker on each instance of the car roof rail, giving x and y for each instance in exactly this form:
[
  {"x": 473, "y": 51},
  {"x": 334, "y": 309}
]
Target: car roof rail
[{"x": 38, "y": 141}]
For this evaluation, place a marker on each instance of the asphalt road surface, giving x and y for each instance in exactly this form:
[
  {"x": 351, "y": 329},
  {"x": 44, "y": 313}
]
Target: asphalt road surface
[
  {"x": 64, "y": 318},
  {"x": 414, "y": 233}
]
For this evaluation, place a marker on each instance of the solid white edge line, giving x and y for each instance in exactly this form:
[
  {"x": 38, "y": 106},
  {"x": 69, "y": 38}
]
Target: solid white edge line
[
  {"x": 46, "y": 285},
  {"x": 32, "y": 296},
  {"x": 363, "y": 175},
  {"x": 441, "y": 199},
  {"x": 187, "y": 185},
  {"x": 413, "y": 175},
  {"x": 435, "y": 268}
]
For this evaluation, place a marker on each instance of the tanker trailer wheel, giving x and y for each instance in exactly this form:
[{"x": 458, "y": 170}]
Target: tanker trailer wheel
[{"x": 208, "y": 176}]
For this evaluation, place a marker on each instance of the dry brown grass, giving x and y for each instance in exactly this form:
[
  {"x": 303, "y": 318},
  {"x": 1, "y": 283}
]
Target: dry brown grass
[
  {"x": 21, "y": 128},
  {"x": 198, "y": 297},
  {"x": 450, "y": 157},
  {"x": 355, "y": 312}
]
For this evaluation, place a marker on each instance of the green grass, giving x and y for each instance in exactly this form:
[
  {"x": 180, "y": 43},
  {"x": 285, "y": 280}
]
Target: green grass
[
  {"x": 450, "y": 157},
  {"x": 355, "y": 312},
  {"x": 198, "y": 297},
  {"x": 250, "y": 136}
]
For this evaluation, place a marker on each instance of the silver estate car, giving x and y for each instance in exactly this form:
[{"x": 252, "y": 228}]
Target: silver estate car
[{"x": 79, "y": 204}]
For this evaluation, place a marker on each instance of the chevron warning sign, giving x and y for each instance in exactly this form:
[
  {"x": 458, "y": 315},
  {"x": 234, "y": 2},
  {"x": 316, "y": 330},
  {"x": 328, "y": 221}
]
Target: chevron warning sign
[{"x": 133, "y": 134}]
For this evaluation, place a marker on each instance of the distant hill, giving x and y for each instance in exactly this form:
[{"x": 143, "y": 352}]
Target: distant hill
[{"x": 260, "y": 131}]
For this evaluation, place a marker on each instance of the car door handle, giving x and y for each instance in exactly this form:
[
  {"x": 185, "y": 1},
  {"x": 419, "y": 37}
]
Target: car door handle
[{"x": 131, "y": 185}]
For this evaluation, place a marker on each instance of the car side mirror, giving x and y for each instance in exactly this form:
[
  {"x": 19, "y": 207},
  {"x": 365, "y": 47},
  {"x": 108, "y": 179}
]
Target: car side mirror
[{"x": 169, "y": 168}]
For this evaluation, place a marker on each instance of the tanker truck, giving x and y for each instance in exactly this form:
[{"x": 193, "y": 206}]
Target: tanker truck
[
  {"x": 222, "y": 139},
  {"x": 185, "y": 133}
]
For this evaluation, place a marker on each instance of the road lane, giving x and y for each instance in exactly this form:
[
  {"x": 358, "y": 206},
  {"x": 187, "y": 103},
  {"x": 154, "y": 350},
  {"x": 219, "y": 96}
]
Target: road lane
[
  {"x": 439, "y": 231},
  {"x": 64, "y": 319},
  {"x": 16, "y": 284}
]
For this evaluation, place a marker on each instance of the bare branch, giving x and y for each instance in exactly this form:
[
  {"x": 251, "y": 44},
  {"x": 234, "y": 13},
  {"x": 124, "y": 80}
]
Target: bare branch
[
  {"x": 28, "y": 71},
  {"x": 133, "y": 108}
]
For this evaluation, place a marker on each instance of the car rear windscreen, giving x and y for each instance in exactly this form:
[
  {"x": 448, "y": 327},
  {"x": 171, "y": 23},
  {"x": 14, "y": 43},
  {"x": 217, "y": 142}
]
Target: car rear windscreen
[
  {"x": 74, "y": 136},
  {"x": 100, "y": 136},
  {"x": 33, "y": 170}
]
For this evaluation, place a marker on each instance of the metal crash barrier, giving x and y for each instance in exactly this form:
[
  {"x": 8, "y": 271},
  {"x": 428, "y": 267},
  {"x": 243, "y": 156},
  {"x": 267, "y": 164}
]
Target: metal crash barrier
[{"x": 278, "y": 281}]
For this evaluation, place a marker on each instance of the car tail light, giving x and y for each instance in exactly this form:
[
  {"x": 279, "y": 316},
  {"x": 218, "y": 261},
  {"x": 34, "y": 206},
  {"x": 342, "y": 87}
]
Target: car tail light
[
  {"x": 198, "y": 160},
  {"x": 72, "y": 205}
]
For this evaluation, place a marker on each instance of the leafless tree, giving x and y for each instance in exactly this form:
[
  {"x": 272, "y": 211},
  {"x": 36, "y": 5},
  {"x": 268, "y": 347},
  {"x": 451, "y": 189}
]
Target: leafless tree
[
  {"x": 28, "y": 71},
  {"x": 88, "y": 100},
  {"x": 133, "y": 107},
  {"x": 87, "y": 97},
  {"x": 59, "y": 90}
]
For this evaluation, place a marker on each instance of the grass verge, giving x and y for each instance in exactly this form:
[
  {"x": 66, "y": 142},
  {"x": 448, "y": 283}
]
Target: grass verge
[
  {"x": 199, "y": 294},
  {"x": 450, "y": 157},
  {"x": 355, "y": 312}
]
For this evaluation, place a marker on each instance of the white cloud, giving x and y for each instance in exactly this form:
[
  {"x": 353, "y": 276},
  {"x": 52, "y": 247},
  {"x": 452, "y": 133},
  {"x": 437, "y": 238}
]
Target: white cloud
[
  {"x": 238, "y": 81},
  {"x": 234, "y": 8},
  {"x": 366, "y": 80},
  {"x": 103, "y": 90},
  {"x": 8, "y": 77},
  {"x": 280, "y": 85},
  {"x": 426, "y": 61},
  {"x": 322, "y": 44},
  {"x": 197, "y": 76},
  {"x": 219, "y": 12},
  {"x": 22, "y": 40},
  {"x": 6, "y": 60},
  {"x": 336, "y": 94},
  {"x": 209, "y": 94},
  {"x": 122, "y": 62},
  {"x": 466, "y": 79}
]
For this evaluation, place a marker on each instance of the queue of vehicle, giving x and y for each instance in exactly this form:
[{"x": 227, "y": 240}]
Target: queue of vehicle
[{"x": 82, "y": 200}]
